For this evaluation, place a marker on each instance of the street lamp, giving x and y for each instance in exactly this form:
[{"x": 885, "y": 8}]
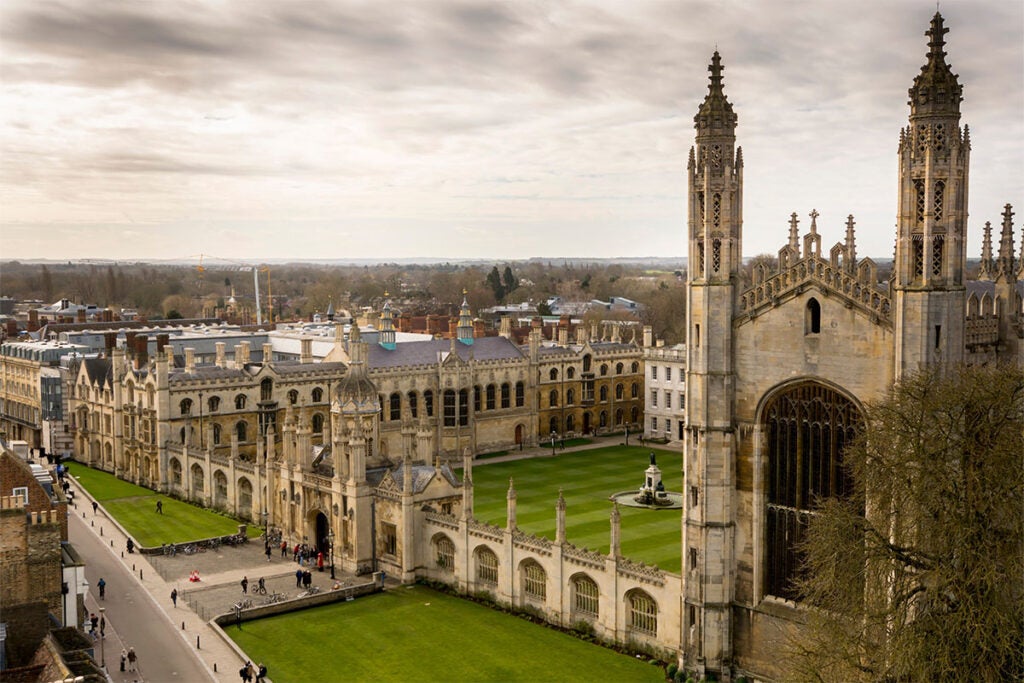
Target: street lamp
[
  {"x": 330, "y": 547},
  {"x": 266, "y": 531},
  {"x": 627, "y": 435},
  {"x": 103, "y": 651},
  {"x": 552, "y": 444}
]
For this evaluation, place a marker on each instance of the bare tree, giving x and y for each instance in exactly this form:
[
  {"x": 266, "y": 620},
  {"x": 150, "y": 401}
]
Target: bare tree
[{"x": 919, "y": 574}]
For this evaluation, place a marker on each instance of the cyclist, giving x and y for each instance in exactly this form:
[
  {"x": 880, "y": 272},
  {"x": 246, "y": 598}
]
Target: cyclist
[
  {"x": 262, "y": 589},
  {"x": 102, "y": 585}
]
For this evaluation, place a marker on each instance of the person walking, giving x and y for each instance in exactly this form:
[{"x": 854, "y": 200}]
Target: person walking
[
  {"x": 267, "y": 551},
  {"x": 95, "y": 507},
  {"x": 174, "y": 596},
  {"x": 103, "y": 626},
  {"x": 261, "y": 673},
  {"x": 298, "y": 578},
  {"x": 159, "y": 506},
  {"x": 124, "y": 658},
  {"x": 245, "y": 584},
  {"x": 94, "y": 623},
  {"x": 133, "y": 660},
  {"x": 284, "y": 548},
  {"x": 102, "y": 585}
]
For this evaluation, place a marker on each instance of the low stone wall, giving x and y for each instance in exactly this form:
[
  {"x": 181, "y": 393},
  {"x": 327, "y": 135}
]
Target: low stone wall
[{"x": 302, "y": 602}]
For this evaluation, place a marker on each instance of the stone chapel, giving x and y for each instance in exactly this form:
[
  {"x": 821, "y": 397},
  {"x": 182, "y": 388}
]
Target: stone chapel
[{"x": 781, "y": 364}]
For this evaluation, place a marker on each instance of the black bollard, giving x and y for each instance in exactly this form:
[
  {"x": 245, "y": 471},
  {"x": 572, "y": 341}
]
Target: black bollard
[
  {"x": 92, "y": 522},
  {"x": 197, "y": 643},
  {"x": 183, "y": 626},
  {"x": 122, "y": 554},
  {"x": 133, "y": 566},
  {"x": 215, "y": 667},
  {"x": 101, "y": 531}
]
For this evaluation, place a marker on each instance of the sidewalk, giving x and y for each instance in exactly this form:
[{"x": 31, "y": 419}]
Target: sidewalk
[{"x": 221, "y": 572}]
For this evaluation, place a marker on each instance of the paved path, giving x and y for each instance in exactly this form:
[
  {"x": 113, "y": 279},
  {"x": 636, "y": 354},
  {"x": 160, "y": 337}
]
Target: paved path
[{"x": 164, "y": 635}]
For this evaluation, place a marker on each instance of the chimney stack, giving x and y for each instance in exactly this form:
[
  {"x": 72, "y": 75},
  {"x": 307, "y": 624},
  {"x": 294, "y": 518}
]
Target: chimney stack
[
  {"x": 305, "y": 351},
  {"x": 190, "y": 360}
]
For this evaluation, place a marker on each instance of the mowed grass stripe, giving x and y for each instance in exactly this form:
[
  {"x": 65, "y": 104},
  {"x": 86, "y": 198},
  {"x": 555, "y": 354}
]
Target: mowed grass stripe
[
  {"x": 417, "y": 634},
  {"x": 134, "y": 507},
  {"x": 105, "y": 486},
  {"x": 587, "y": 479}
]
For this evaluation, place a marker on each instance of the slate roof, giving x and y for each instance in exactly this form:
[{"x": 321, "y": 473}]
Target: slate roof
[
  {"x": 422, "y": 476},
  {"x": 428, "y": 352},
  {"x": 99, "y": 370}
]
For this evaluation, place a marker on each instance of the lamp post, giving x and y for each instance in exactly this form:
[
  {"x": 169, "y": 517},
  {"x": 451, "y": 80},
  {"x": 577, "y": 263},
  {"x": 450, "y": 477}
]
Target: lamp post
[
  {"x": 266, "y": 531},
  {"x": 552, "y": 444},
  {"x": 627, "y": 435},
  {"x": 330, "y": 546},
  {"x": 201, "y": 444},
  {"x": 103, "y": 651}
]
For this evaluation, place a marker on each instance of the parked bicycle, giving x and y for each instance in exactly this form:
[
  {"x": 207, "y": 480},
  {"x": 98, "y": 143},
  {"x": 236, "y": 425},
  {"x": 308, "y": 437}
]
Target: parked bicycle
[
  {"x": 312, "y": 590},
  {"x": 190, "y": 549},
  {"x": 242, "y": 604},
  {"x": 170, "y": 550},
  {"x": 275, "y": 598}
]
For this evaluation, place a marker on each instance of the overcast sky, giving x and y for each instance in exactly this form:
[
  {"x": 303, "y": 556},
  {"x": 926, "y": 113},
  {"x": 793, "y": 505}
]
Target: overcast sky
[{"x": 254, "y": 129}]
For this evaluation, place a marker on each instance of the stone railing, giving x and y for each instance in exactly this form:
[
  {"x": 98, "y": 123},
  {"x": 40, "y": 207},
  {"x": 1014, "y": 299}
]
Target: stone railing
[
  {"x": 537, "y": 544},
  {"x": 317, "y": 480},
  {"x": 583, "y": 556},
  {"x": 981, "y": 330},
  {"x": 641, "y": 572},
  {"x": 766, "y": 294},
  {"x": 484, "y": 530},
  {"x": 443, "y": 520}
]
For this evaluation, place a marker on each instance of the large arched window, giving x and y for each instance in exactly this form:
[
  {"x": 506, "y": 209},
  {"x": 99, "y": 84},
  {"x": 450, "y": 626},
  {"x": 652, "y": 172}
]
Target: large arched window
[
  {"x": 449, "y": 407},
  {"x": 506, "y": 395},
  {"x": 428, "y": 402},
  {"x": 318, "y": 423},
  {"x": 444, "y": 549},
  {"x": 585, "y": 596},
  {"x": 807, "y": 427},
  {"x": 198, "y": 480},
  {"x": 520, "y": 394},
  {"x": 175, "y": 472},
  {"x": 395, "y": 406},
  {"x": 490, "y": 397},
  {"x": 241, "y": 431},
  {"x": 220, "y": 489},
  {"x": 642, "y": 612},
  {"x": 486, "y": 566},
  {"x": 267, "y": 389},
  {"x": 413, "y": 406},
  {"x": 535, "y": 581}
]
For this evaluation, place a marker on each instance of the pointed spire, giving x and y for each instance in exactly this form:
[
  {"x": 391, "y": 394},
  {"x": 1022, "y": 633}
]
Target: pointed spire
[
  {"x": 987, "y": 270},
  {"x": 850, "y": 261},
  {"x": 814, "y": 221},
  {"x": 464, "y": 332},
  {"x": 936, "y": 91},
  {"x": 1006, "y": 267},
  {"x": 794, "y": 231},
  {"x": 387, "y": 326},
  {"x": 715, "y": 114}
]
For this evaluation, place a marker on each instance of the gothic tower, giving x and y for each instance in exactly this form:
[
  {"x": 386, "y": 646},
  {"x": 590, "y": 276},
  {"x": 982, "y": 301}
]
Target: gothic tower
[
  {"x": 932, "y": 217},
  {"x": 715, "y": 238}
]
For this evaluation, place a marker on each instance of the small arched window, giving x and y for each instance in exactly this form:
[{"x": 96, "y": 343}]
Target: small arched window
[
  {"x": 318, "y": 395},
  {"x": 570, "y": 373},
  {"x": 553, "y": 398},
  {"x": 586, "y": 363},
  {"x": 241, "y": 431},
  {"x": 318, "y": 423},
  {"x": 214, "y": 404},
  {"x": 553, "y": 375},
  {"x": 570, "y": 397},
  {"x": 618, "y": 368},
  {"x": 634, "y": 390},
  {"x": 186, "y": 406},
  {"x": 293, "y": 397},
  {"x": 267, "y": 389},
  {"x": 395, "y": 406},
  {"x": 812, "y": 323},
  {"x": 635, "y": 367},
  {"x": 216, "y": 435},
  {"x": 240, "y": 402},
  {"x": 604, "y": 369},
  {"x": 618, "y": 392},
  {"x": 603, "y": 393}
]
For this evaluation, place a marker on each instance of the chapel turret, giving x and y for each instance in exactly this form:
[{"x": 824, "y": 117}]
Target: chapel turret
[{"x": 931, "y": 221}]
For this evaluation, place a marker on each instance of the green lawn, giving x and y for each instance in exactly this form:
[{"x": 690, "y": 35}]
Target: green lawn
[
  {"x": 134, "y": 508},
  {"x": 587, "y": 479},
  {"x": 417, "y": 634}
]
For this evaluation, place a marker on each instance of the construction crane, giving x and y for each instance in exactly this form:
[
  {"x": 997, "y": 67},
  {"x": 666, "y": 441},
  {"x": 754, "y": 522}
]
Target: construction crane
[{"x": 241, "y": 267}]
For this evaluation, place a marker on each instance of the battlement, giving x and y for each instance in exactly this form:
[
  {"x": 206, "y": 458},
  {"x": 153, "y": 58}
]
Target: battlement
[{"x": 12, "y": 503}]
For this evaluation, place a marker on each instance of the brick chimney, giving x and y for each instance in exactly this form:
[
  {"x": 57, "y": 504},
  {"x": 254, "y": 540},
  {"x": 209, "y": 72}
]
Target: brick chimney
[
  {"x": 33, "y": 320},
  {"x": 80, "y": 316},
  {"x": 478, "y": 329},
  {"x": 161, "y": 341},
  {"x": 141, "y": 351}
]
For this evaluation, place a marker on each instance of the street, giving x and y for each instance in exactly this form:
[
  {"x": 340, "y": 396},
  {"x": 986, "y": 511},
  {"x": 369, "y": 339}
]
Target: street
[{"x": 133, "y": 620}]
